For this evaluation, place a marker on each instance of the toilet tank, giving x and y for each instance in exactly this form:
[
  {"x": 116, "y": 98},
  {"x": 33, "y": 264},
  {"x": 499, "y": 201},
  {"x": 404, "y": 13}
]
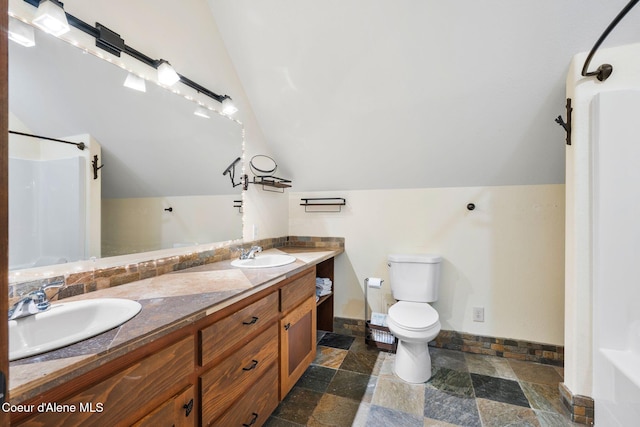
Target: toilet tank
[{"x": 414, "y": 277}]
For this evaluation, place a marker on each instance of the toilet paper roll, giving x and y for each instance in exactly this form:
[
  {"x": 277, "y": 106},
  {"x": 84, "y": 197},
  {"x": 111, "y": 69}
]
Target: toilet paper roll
[{"x": 374, "y": 282}]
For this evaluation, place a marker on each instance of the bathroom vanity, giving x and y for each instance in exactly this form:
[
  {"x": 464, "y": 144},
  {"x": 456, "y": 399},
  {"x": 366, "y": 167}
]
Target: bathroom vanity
[{"x": 227, "y": 363}]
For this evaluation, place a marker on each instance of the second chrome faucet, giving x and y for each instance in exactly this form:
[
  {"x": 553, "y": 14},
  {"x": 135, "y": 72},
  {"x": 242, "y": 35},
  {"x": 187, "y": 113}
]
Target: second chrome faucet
[{"x": 251, "y": 253}]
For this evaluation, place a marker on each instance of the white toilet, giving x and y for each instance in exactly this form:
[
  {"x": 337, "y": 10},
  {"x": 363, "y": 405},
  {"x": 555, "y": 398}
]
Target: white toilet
[{"x": 414, "y": 284}]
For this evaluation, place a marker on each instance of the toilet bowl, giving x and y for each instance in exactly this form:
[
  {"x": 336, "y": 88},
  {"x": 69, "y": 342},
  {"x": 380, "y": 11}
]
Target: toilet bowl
[
  {"x": 414, "y": 324},
  {"x": 415, "y": 280}
]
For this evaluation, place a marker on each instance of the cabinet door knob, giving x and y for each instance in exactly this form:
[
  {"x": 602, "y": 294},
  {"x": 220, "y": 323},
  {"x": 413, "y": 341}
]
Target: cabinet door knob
[
  {"x": 254, "y": 418},
  {"x": 253, "y": 364},
  {"x": 253, "y": 320},
  {"x": 188, "y": 407},
  {"x": 287, "y": 326}
]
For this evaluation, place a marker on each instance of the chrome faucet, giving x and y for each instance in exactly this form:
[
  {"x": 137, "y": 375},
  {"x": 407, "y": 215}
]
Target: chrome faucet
[
  {"x": 35, "y": 301},
  {"x": 251, "y": 253}
]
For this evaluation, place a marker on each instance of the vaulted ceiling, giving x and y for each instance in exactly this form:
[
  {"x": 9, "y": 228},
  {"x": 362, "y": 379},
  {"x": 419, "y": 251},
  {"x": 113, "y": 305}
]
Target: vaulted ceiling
[{"x": 363, "y": 94}]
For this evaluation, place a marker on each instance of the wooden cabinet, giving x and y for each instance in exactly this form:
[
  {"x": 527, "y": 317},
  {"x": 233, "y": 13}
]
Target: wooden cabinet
[
  {"x": 236, "y": 328},
  {"x": 297, "y": 328},
  {"x": 229, "y": 368},
  {"x": 230, "y": 379},
  {"x": 127, "y": 395},
  {"x": 255, "y": 406},
  {"x": 179, "y": 411},
  {"x": 239, "y": 354},
  {"x": 297, "y": 343}
]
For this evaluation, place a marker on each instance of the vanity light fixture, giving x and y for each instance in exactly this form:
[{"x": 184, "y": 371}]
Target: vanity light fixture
[
  {"x": 202, "y": 112},
  {"x": 111, "y": 41},
  {"x": 166, "y": 74},
  {"x": 135, "y": 82},
  {"x": 51, "y": 18},
  {"x": 21, "y": 33},
  {"x": 228, "y": 106}
]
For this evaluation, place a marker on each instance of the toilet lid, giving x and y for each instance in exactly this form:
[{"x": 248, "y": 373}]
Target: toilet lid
[{"x": 413, "y": 315}]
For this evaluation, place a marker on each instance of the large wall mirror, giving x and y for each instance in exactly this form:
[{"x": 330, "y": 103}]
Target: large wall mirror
[{"x": 159, "y": 184}]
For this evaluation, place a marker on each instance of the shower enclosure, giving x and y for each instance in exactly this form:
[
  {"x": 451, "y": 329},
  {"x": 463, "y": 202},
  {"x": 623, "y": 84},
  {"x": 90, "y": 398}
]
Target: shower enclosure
[
  {"x": 615, "y": 131},
  {"x": 54, "y": 201}
]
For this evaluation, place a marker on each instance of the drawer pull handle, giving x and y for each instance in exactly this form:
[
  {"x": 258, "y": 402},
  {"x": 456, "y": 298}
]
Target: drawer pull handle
[
  {"x": 287, "y": 326},
  {"x": 253, "y": 320},
  {"x": 188, "y": 407},
  {"x": 254, "y": 363},
  {"x": 254, "y": 418}
]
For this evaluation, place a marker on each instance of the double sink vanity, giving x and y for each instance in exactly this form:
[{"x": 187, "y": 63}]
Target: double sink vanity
[{"x": 211, "y": 345}]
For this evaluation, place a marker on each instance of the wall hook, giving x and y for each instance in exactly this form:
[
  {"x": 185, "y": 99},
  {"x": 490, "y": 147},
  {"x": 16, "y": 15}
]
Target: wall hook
[
  {"x": 169, "y": 209},
  {"x": 566, "y": 125},
  {"x": 471, "y": 206},
  {"x": 94, "y": 163}
]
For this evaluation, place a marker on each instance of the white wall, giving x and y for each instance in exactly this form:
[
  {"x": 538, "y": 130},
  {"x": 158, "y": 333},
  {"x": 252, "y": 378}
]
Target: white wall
[
  {"x": 507, "y": 255},
  {"x": 579, "y": 246},
  {"x": 372, "y": 94}
]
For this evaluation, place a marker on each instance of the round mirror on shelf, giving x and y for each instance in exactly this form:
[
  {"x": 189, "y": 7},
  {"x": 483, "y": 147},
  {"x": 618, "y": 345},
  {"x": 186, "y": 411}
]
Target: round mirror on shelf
[{"x": 262, "y": 165}]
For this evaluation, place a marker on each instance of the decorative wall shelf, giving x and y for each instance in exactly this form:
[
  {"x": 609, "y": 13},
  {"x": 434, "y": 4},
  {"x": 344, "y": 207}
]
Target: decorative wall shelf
[{"x": 326, "y": 204}]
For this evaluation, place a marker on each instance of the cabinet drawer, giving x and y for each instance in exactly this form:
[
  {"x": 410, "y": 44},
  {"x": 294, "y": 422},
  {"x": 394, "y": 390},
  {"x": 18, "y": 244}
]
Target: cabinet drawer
[
  {"x": 224, "y": 334},
  {"x": 129, "y": 393},
  {"x": 293, "y": 293},
  {"x": 224, "y": 384},
  {"x": 255, "y": 406},
  {"x": 179, "y": 411}
]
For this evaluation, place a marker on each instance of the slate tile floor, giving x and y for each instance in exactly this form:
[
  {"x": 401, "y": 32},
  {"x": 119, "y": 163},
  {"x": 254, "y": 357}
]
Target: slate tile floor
[{"x": 349, "y": 384}]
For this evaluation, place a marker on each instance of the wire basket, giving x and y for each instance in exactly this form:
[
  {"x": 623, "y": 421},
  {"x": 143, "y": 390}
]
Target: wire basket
[{"x": 380, "y": 337}]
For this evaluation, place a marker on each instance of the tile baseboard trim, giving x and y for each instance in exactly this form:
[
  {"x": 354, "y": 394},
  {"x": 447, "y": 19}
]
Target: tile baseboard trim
[
  {"x": 501, "y": 347},
  {"x": 547, "y": 354},
  {"x": 581, "y": 408},
  {"x": 350, "y": 327}
]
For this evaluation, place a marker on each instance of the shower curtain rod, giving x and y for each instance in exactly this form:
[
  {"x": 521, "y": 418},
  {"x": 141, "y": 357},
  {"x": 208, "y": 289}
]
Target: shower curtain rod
[
  {"x": 603, "y": 72},
  {"x": 80, "y": 145}
]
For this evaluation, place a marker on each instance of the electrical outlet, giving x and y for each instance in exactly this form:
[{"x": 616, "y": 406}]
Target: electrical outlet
[{"x": 478, "y": 314}]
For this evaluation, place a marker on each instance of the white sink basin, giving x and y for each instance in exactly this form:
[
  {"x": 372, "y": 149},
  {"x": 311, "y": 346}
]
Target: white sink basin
[
  {"x": 67, "y": 323},
  {"x": 264, "y": 261}
]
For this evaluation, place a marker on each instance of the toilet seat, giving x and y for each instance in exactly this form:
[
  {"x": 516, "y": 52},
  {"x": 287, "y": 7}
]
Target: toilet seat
[{"x": 414, "y": 316}]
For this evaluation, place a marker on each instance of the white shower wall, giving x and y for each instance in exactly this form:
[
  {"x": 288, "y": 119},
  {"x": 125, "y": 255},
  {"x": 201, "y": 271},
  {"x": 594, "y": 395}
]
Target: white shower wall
[
  {"x": 579, "y": 295},
  {"x": 616, "y": 250},
  {"x": 54, "y": 200},
  {"x": 47, "y": 200}
]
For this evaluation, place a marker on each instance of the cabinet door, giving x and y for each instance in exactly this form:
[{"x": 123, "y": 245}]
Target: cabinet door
[
  {"x": 179, "y": 411},
  {"x": 297, "y": 343}
]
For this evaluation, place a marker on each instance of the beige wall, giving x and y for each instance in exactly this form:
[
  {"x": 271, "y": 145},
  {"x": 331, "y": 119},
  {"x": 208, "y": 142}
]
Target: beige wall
[
  {"x": 507, "y": 255},
  {"x": 142, "y": 224}
]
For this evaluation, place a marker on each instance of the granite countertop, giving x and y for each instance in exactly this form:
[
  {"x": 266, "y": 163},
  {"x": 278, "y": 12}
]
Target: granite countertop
[{"x": 169, "y": 302}]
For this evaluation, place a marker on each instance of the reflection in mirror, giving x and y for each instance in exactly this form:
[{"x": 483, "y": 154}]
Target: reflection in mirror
[{"x": 150, "y": 178}]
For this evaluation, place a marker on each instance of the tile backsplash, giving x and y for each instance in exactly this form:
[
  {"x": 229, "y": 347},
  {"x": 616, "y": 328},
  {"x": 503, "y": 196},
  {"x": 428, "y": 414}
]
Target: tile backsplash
[{"x": 101, "y": 278}]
